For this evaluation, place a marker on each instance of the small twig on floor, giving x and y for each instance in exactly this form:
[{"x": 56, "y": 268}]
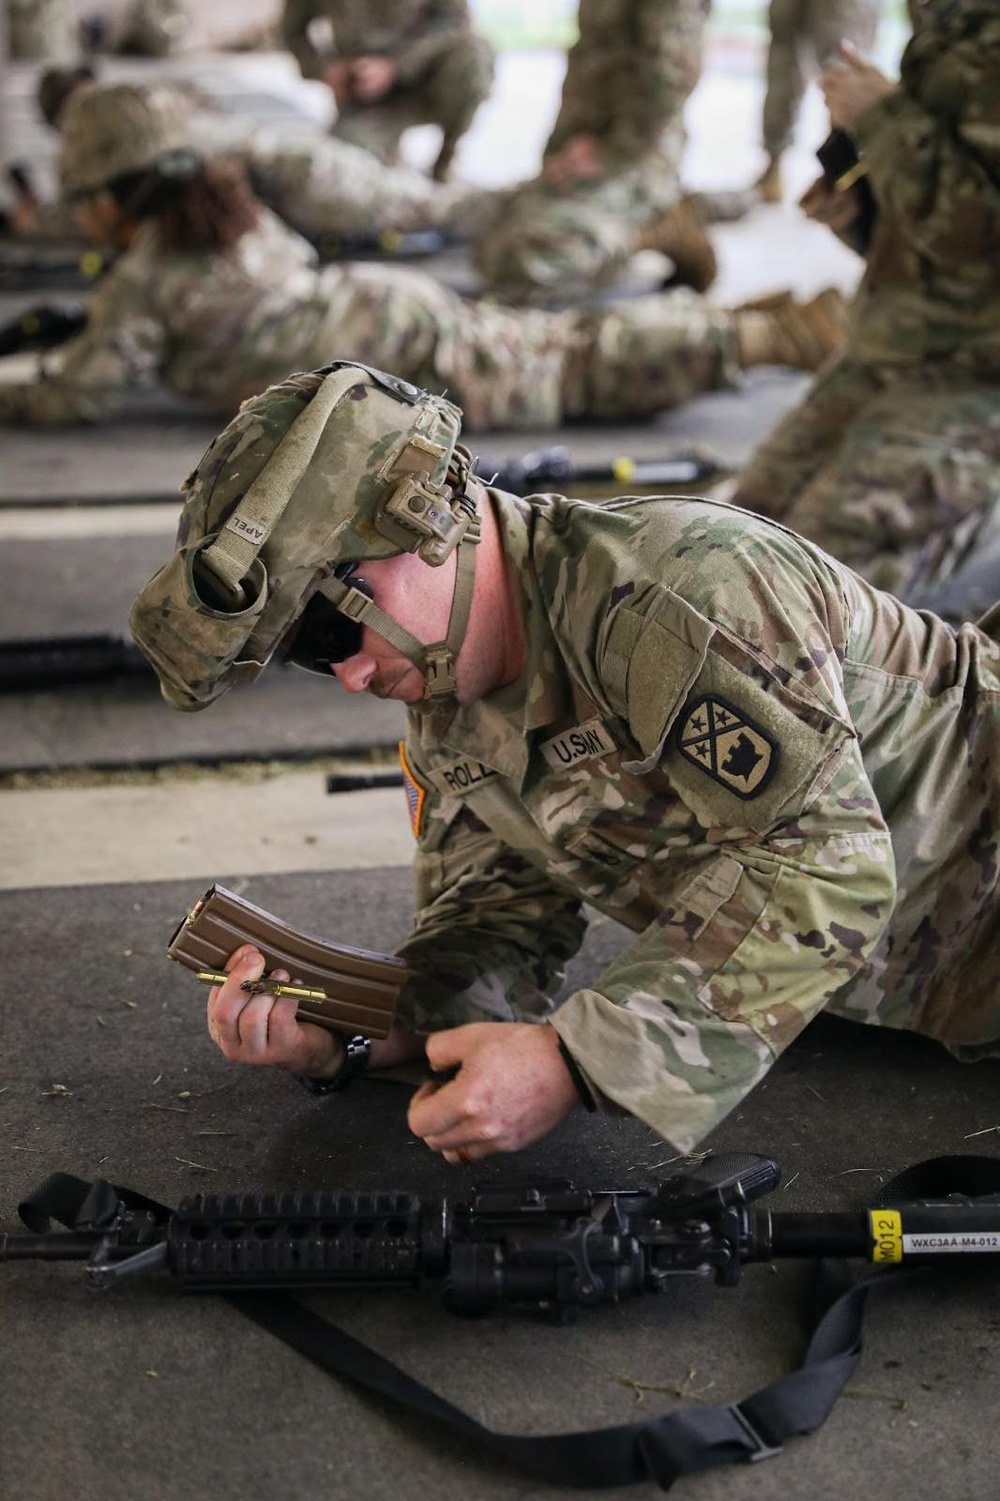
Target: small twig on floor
[
  {"x": 899, "y": 1403},
  {"x": 198, "y": 1166}
]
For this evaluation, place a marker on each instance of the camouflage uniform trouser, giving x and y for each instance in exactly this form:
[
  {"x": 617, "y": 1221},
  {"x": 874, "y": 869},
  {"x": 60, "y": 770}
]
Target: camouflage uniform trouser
[
  {"x": 524, "y": 368},
  {"x": 799, "y": 28},
  {"x": 532, "y": 368},
  {"x": 448, "y": 94},
  {"x": 552, "y": 246},
  {"x": 895, "y": 472}
]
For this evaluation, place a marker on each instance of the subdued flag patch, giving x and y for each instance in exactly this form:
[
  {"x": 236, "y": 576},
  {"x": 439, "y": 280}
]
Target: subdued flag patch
[
  {"x": 416, "y": 796},
  {"x": 727, "y": 746}
]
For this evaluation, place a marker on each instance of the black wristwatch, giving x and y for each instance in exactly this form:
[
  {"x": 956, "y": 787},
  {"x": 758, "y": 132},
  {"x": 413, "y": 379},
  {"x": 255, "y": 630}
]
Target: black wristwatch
[{"x": 357, "y": 1052}]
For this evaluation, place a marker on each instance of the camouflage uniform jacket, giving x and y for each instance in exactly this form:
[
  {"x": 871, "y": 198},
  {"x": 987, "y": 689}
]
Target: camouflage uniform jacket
[
  {"x": 783, "y": 781},
  {"x": 412, "y": 32},
  {"x": 629, "y": 74},
  {"x": 931, "y": 290}
]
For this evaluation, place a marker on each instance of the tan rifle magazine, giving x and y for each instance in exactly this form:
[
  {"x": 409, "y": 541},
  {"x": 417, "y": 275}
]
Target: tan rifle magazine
[{"x": 361, "y": 988}]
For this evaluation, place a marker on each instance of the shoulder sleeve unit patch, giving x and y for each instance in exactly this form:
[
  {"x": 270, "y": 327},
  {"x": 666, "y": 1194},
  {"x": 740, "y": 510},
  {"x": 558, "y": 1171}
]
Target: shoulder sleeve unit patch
[
  {"x": 416, "y": 795},
  {"x": 727, "y": 746}
]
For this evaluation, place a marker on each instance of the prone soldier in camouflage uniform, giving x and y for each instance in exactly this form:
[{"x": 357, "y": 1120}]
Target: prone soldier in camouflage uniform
[
  {"x": 327, "y": 189},
  {"x": 892, "y": 461},
  {"x": 804, "y": 35},
  {"x": 392, "y": 64},
  {"x": 216, "y": 298},
  {"x": 784, "y": 782},
  {"x": 610, "y": 178}
]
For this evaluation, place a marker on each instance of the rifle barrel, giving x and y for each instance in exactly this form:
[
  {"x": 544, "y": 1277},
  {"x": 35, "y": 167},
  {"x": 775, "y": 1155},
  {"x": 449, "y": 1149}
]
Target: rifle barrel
[{"x": 885, "y": 1234}]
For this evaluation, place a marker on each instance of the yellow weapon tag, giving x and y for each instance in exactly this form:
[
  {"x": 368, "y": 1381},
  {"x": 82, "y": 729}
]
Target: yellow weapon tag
[{"x": 887, "y": 1236}]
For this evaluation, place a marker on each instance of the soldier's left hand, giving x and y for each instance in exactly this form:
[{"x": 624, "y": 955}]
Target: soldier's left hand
[
  {"x": 851, "y": 86},
  {"x": 512, "y": 1087}
]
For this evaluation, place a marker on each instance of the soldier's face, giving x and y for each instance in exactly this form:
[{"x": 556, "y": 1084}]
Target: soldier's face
[{"x": 418, "y": 597}]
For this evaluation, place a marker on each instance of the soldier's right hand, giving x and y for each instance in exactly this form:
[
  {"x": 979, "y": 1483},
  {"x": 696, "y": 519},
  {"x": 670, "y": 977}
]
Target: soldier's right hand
[
  {"x": 826, "y": 205},
  {"x": 262, "y": 1029}
]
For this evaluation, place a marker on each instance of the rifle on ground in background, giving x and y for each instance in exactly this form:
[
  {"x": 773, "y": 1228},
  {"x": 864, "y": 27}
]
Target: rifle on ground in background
[
  {"x": 44, "y": 326},
  {"x": 390, "y": 245},
  {"x": 548, "y": 468}
]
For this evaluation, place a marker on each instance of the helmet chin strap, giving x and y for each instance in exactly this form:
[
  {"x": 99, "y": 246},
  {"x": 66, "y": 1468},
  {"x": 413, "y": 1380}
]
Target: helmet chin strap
[{"x": 438, "y": 661}]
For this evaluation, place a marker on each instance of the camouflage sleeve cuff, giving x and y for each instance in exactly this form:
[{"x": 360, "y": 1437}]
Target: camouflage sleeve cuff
[
  {"x": 450, "y": 990},
  {"x": 682, "y": 1090}
]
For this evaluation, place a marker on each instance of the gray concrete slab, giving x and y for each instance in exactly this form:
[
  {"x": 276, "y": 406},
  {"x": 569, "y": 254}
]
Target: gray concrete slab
[
  {"x": 144, "y": 1391},
  {"x": 124, "y": 722},
  {"x": 151, "y": 448}
]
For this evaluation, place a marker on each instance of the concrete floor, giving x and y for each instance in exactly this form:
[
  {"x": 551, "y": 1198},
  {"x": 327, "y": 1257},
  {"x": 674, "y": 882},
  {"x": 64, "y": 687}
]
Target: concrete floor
[{"x": 105, "y": 1066}]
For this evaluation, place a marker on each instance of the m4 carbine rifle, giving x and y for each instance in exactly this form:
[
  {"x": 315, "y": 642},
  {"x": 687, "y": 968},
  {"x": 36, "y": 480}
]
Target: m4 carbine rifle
[
  {"x": 544, "y": 1245},
  {"x": 45, "y": 326},
  {"x": 547, "y": 1245}
]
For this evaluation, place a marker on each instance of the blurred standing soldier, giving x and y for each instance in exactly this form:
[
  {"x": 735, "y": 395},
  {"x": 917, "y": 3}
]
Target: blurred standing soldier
[
  {"x": 392, "y": 64},
  {"x": 805, "y": 34},
  {"x": 41, "y": 31},
  {"x": 892, "y": 461},
  {"x": 610, "y": 178}
]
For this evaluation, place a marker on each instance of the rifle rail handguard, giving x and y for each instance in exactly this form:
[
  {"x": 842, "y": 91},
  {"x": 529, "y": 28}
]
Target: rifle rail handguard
[{"x": 362, "y": 988}]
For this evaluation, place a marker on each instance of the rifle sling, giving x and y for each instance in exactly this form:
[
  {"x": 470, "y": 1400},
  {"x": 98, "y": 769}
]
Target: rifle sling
[{"x": 659, "y": 1449}]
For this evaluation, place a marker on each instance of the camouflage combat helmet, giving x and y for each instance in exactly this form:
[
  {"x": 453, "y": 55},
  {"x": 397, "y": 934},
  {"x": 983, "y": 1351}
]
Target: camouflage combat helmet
[
  {"x": 109, "y": 130},
  {"x": 329, "y": 467}
]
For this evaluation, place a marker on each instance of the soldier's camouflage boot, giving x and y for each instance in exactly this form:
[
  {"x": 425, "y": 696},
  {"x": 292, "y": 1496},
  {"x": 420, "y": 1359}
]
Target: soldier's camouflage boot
[
  {"x": 802, "y": 335},
  {"x": 680, "y": 233},
  {"x": 768, "y": 186}
]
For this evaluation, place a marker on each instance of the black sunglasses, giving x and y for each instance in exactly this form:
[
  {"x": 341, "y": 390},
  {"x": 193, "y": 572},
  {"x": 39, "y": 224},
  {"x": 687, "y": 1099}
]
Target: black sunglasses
[{"x": 324, "y": 635}]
